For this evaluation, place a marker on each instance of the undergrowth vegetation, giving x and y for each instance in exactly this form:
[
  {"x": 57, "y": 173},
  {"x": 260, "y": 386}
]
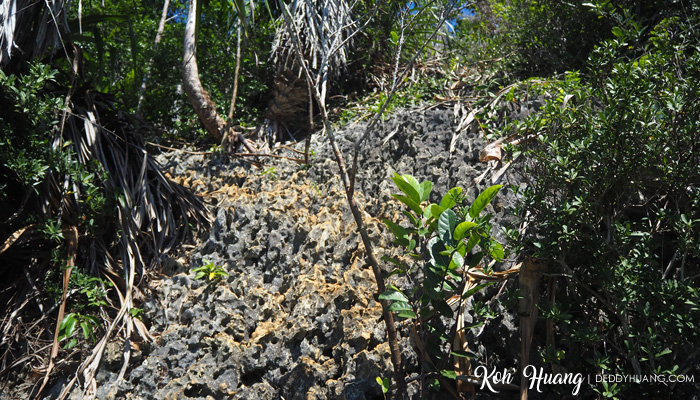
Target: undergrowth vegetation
[{"x": 612, "y": 204}]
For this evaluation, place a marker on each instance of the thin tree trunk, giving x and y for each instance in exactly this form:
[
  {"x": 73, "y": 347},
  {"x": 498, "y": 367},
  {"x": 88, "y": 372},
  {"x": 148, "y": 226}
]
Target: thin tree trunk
[
  {"x": 238, "y": 69},
  {"x": 147, "y": 74},
  {"x": 199, "y": 98}
]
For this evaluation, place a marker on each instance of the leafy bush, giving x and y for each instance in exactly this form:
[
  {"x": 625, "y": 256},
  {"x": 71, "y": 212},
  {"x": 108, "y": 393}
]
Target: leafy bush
[
  {"x": 443, "y": 249},
  {"x": 614, "y": 204},
  {"x": 44, "y": 185},
  {"x": 545, "y": 36},
  {"x": 29, "y": 157}
]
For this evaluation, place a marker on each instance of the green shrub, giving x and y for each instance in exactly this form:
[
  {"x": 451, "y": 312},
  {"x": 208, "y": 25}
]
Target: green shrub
[
  {"x": 614, "y": 204},
  {"x": 209, "y": 271},
  {"x": 543, "y": 37},
  {"x": 441, "y": 247}
]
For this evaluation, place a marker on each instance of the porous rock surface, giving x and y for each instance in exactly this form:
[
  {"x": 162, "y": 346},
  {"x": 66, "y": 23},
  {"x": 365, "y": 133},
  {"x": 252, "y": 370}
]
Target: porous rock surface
[{"x": 297, "y": 315}]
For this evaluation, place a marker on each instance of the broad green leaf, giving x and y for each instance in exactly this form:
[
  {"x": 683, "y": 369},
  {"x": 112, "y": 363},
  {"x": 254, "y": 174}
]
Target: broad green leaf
[
  {"x": 432, "y": 210},
  {"x": 413, "y": 182},
  {"x": 446, "y": 225},
  {"x": 431, "y": 284},
  {"x": 483, "y": 200},
  {"x": 435, "y": 247},
  {"x": 462, "y": 229},
  {"x": 461, "y": 248},
  {"x": 450, "y": 198},
  {"x": 407, "y": 187},
  {"x": 473, "y": 241},
  {"x": 71, "y": 325},
  {"x": 399, "y": 306},
  {"x": 398, "y": 230},
  {"x": 71, "y": 343},
  {"x": 87, "y": 329},
  {"x": 475, "y": 259},
  {"x": 408, "y": 314},
  {"x": 425, "y": 189},
  {"x": 415, "y": 207},
  {"x": 65, "y": 320},
  {"x": 393, "y": 295},
  {"x": 448, "y": 374},
  {"x": 457, "y": 261},
  {"x": 444, "y": 309},
  {"x": 496, "y": 252}
]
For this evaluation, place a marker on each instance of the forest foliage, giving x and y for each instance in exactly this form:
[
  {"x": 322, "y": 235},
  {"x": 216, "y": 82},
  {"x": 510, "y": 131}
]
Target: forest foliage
[{"x": 612, "y": 204}]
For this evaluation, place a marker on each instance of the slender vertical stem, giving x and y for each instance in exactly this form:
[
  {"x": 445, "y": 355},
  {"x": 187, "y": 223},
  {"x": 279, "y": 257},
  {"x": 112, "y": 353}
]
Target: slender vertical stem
[
  {"x": 374, "y": 263},
  {"x": 388, "y": 317},
  {"x": 238, "y": 69}
]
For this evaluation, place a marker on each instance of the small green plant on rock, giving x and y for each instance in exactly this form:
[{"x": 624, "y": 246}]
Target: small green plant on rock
[
  {"x": 209, "y": 271},
  {"x": 271, "y": 172},
  {"x": 447, "y": 251}
]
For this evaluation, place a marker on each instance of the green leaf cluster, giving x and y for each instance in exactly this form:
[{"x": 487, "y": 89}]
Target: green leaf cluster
[
  {"x": 88, "y": 324},
  {"x": 209, "y": 271},
  {"x": 443, "y": 241}
]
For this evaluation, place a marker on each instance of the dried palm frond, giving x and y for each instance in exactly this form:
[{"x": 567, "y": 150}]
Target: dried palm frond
[
  {"x": 46, "y": 20},
  {"x": 152, "y": 214},
  {"x": 321, "y": 21}
]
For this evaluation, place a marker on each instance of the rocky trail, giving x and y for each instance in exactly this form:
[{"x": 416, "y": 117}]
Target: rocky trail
[{"x": 297, "y": 315}]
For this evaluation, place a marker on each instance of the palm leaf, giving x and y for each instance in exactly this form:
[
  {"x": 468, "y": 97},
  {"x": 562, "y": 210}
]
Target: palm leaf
[
  {"x": 153, "y": 213},
  {"x": 46, "y": 20},
  {"x": 324, "y": 32}
]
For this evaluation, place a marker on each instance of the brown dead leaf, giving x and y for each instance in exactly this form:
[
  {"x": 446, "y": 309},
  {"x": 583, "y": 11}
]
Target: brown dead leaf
[{"x": 491, "y": 152}]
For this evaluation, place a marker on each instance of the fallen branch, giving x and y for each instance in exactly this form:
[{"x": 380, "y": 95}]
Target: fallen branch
[{"x": 296, "y": 160}]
